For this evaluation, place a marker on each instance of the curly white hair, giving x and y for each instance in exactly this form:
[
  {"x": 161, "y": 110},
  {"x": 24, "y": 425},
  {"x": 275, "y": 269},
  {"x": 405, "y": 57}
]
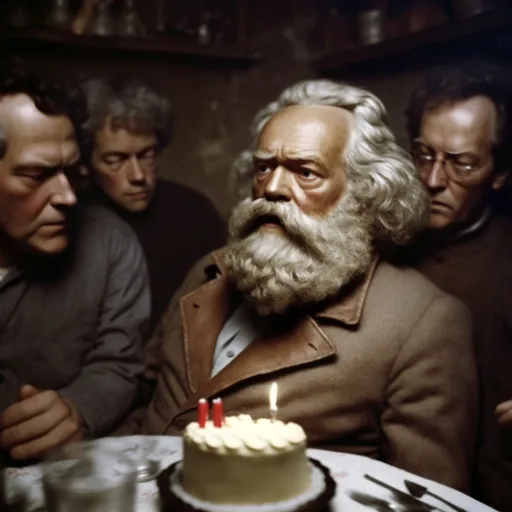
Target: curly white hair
[{"x": 380, "y": 174}]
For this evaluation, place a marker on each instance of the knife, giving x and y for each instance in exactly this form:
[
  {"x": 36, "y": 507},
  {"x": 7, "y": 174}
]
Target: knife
[{"x": 401, "y": 495}]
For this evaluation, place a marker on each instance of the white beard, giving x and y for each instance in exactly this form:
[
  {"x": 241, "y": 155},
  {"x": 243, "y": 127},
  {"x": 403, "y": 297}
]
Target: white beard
[{"x": 306, "y": 263}]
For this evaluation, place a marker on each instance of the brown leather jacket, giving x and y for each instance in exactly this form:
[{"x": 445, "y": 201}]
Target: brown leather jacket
[{"x": 385, "y": 371}]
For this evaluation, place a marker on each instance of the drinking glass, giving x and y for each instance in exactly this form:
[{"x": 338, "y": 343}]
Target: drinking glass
[
  {"x": 87, "y": 476},
  {"x": 140, "y": 452}
]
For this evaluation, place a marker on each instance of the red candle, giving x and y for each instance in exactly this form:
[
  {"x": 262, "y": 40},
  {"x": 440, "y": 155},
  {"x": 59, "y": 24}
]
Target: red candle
[
  {"x": 202, "y": 412},
  {"x": 217, "y": 413}
]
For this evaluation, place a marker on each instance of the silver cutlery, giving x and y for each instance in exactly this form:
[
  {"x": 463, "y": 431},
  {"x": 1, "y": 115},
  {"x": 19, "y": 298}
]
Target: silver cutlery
[
  {"x": 418, "y": 491},
  {"x": 403, "y": 497},
  {"x": 382, "y": 505}
]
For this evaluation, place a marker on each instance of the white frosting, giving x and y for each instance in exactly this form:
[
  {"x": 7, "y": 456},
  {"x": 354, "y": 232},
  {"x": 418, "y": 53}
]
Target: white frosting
[
  {"x": 317, "y": 487},
  {"x": 241, "y": 435},
  {"x": 245, "y": 461}
]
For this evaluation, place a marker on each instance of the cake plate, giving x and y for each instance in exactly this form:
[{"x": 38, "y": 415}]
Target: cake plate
[{"x": 172, "y": 495}]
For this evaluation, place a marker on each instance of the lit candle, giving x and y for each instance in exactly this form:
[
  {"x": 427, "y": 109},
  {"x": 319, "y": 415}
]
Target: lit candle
[
  {"x": 273, "y": 401},
  {"x": 202, "y": 412},
  {"x": 217, "y": 413}
]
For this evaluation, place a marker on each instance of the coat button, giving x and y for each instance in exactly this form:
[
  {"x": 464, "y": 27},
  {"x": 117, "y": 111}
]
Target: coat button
[{"x": 180, "y": 424}]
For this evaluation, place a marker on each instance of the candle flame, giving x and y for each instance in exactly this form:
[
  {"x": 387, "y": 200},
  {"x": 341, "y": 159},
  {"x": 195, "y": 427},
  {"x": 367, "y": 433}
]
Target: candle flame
[{"x": 273, "y": 396}]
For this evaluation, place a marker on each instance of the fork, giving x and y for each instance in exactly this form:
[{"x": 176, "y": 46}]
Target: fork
[
  {"x": 418, "y": 491},
  {"x": 401, "y": 496}
]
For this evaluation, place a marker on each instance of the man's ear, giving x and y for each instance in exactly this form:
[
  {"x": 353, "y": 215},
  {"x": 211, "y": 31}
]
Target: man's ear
[{"x": 499, "y": 180}]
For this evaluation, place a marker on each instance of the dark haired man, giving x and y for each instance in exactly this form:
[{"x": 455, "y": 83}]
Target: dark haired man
[
  {"x": 74, "y": 298},
  {"x": 460, "y": 130},
  {"x": 129, "y": 125}
]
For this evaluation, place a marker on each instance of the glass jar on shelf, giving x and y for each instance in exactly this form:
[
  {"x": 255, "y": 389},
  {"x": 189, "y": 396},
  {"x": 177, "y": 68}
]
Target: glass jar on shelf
[
  {"x": 60, "y": 16},
  {"x": 465, "y": 8},
  {"x": 130, "y": 23},
  {"x": 102, "y": 23}
]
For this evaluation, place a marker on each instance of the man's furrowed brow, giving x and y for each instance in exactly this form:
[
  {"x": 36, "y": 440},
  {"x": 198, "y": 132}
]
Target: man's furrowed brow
[
  {"x": 306, "y": 157},
  {"x": 120, "y": 154},
  {"x": 262, "y": 154},
  {"x": 48, "y": 163}
]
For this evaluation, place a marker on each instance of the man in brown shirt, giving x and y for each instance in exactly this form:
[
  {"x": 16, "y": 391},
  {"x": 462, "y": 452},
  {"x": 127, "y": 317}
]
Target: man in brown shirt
[
  {"x": 369, "y": 358},
  {"x": 460, "y": 130}
]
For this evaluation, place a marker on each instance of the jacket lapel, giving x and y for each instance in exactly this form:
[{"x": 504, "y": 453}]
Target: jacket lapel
[
  {"x": 347, "y": 310},
  {"x": 203, "y": 313},
  {"x": 286, "y": 344}
]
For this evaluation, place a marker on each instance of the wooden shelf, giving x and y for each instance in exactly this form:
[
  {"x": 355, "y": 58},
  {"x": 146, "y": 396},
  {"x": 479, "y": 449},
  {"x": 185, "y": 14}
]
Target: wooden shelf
[
  {"x": 444, "y": 37},
  {"x": 16, "y": 39}
]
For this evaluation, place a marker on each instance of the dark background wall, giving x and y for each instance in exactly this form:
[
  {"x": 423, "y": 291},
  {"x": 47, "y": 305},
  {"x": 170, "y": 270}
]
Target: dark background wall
[{"x": 214, "y": 104}]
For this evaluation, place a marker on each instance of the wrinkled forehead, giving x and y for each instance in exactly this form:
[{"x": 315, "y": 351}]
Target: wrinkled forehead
[
  {"x": 460, "y": 126},
  {"x": 19, "y": 116},
  {"x": 313, "y": 127},
  {"x": 122, "y": 138},
  {"x": 35, "y": 138}
]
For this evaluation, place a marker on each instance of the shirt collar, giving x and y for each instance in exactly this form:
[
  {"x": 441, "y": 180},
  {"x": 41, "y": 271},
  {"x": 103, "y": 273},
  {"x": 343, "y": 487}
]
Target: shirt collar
[{"x": 486, "y": 215}]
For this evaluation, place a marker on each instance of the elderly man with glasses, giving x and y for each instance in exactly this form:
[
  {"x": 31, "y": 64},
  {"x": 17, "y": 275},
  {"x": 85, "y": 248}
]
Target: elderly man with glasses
[{"x": 460, "y": 126}]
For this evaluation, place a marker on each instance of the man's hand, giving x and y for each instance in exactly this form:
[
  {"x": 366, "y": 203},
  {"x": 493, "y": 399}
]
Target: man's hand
[
  {"x": 504, "y": 414},
  {"x": 39, "y": 421}
]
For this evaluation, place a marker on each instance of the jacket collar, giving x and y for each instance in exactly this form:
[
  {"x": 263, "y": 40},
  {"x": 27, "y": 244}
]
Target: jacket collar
[
  {"x": 291, "y": 343},
  {"x": 347, "y": 309}
]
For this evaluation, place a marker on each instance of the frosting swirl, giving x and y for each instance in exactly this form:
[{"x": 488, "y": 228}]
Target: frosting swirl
[{"x": 242, "y": 435}]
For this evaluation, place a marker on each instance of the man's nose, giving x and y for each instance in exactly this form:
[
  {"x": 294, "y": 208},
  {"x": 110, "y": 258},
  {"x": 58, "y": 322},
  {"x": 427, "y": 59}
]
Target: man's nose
[
  {"x": 279, "y": 187},
  {"x": 63, "y": 193},
  {"x": 135, "y": 171},
  {"x": 436, "y": 176}
]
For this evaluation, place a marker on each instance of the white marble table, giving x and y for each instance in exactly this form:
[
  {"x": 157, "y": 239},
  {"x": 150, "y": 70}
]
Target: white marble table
[{"x": 347, "y": 470}]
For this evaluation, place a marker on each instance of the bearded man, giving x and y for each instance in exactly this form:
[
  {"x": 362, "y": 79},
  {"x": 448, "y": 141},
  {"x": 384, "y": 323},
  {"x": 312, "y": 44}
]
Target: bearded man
[{"x": 369, "y": 358}]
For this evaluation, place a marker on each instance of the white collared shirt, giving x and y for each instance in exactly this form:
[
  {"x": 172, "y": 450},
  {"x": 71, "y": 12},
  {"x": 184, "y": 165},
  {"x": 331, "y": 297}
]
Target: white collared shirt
[{"x": 240, "y": 330}]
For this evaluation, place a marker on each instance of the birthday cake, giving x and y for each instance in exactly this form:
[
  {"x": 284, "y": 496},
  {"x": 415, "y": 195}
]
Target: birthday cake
[{"x": 245, "y": 461}]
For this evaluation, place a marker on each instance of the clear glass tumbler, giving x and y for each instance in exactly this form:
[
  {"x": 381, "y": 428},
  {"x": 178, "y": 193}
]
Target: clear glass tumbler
[
  {"x": 140, "y": 453},
  {"x": 86, "y": 476}
]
